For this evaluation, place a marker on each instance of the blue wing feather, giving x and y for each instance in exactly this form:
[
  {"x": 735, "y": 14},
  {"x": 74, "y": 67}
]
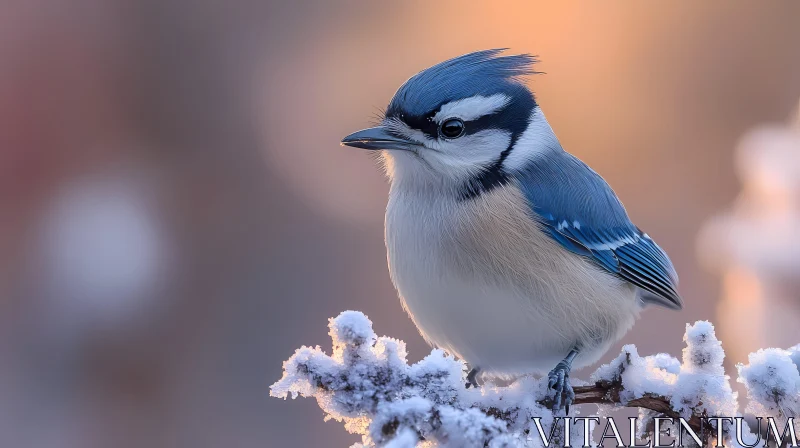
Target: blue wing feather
[{"x": 580, "y": 211}]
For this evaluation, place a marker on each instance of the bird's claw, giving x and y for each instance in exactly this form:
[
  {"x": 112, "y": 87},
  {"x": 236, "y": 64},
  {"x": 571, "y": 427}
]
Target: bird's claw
[
  {"x": 471, "y": 380},
  {"x": 558, "y": 380}
]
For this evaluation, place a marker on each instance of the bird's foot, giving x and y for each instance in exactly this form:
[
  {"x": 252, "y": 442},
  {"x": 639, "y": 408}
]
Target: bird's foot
[
  {"x": 558, "y": 380},
  {"x": 471, "y": 381}
]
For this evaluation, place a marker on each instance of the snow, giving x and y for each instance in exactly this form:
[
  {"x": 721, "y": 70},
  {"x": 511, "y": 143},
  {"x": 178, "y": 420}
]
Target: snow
[
  {"x": 773, "y": 383},
  {"x": 702, "y": 384},
  {"x": 368, "y": 385}
]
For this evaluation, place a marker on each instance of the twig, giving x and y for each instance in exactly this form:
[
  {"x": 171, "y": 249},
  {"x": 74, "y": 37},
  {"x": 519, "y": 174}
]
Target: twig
[{"x": 609, "y": 393}]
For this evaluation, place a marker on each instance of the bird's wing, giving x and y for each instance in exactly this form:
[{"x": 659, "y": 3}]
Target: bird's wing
[{"x": 580, "y": 211}]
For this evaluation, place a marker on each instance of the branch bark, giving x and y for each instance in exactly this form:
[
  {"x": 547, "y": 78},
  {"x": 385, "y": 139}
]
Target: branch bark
[{"x": 609, "y": 393}]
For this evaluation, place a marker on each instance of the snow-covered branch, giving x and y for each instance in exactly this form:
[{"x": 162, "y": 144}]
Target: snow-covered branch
[{"x": 367, "y": 384}]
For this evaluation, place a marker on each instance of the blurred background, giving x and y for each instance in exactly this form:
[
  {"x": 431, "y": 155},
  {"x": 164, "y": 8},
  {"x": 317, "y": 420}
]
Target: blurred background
[{"x": 176, "y": 215}]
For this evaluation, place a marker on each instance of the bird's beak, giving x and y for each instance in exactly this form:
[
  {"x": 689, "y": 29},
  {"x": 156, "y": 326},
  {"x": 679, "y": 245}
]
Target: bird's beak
[{"x": 377, "y": 138}]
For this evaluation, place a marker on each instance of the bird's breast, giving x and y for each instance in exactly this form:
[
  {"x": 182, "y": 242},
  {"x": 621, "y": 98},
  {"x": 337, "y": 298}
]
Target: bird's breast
[
  {"x": 481, "y": 279},
  {"x": 492, "y": 237}
]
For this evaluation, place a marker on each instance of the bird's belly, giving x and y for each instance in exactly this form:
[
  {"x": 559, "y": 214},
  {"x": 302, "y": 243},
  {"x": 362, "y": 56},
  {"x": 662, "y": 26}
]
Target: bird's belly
[
  {"x": 487, "y": 326},
  {"x": 482, "y": 282}
]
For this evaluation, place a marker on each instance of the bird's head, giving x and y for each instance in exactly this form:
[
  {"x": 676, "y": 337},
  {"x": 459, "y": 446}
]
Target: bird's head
[{"x": 464, "y": 124}]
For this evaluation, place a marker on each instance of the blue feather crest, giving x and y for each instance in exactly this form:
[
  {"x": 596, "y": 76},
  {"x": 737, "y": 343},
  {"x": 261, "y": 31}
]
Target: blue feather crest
[{"x": 479, "y": 73}]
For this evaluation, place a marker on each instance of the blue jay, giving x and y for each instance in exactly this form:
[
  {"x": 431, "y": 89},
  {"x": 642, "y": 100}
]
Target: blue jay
[{"x": 505, "y": 249}]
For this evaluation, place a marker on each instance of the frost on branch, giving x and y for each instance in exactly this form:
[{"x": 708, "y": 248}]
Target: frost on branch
[
  {"x": 367, "y": 384},
  {"x": 773, "y": 383},
  {"x": 690, "y": 389}
]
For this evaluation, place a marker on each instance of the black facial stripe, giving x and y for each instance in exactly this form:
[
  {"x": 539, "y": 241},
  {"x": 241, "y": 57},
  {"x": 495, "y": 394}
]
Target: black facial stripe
[
  {"x": 514, "y": 118},
  {"x": 493, "y": 176},
  {"x": 429, "y": 127},
  {"x": 423, "y": 123}
]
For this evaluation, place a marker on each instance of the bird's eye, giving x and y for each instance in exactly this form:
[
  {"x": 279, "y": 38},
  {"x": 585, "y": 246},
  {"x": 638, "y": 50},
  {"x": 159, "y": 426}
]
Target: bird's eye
[{"x": 452, "y": 128}]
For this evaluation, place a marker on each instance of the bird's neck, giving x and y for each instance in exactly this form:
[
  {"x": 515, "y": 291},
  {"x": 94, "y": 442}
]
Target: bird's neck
[{"x": 536, "y": 141}]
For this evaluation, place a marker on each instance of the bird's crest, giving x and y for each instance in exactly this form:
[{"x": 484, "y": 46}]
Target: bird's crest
[{"x": 480, "y": 73}]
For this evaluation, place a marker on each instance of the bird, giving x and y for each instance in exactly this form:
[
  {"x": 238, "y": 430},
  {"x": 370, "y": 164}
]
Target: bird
[{"x": 506, "y": 250}]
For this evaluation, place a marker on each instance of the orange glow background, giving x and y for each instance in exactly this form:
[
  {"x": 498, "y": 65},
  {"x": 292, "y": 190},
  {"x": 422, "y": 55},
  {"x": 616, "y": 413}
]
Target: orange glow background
[{"x": 178, "y": 217}]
